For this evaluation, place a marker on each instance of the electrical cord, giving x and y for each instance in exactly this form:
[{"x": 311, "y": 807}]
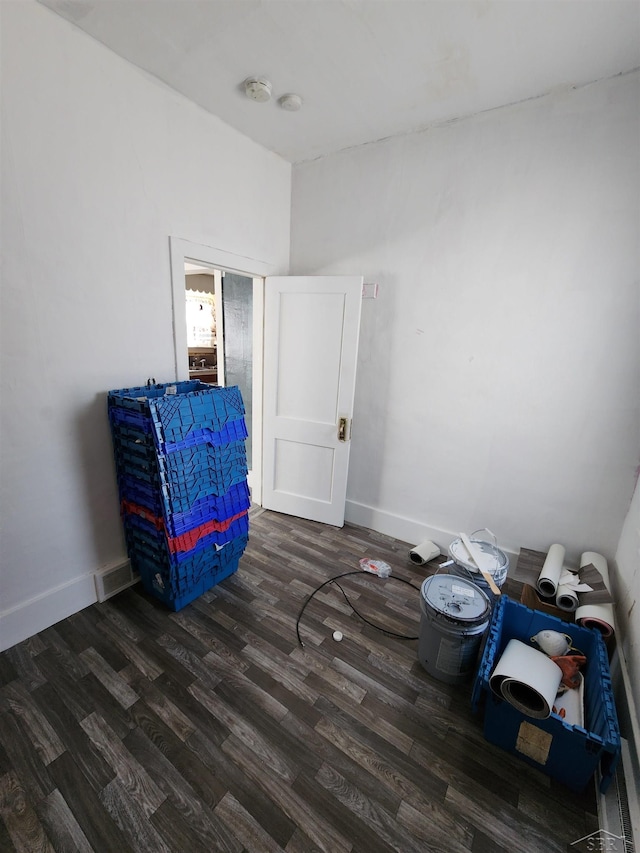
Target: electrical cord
[{"x": 346, "y": 597}]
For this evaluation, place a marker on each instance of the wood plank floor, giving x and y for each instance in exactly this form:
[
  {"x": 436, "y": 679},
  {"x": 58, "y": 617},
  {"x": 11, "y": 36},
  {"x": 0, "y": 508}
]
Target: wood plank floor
[{"x": 130, "y": 728}]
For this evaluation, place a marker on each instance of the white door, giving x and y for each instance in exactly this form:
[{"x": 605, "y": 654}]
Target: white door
[{"x": 310, "y": 348}]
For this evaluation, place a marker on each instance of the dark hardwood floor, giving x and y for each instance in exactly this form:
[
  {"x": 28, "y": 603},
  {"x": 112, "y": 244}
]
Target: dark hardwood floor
[{"x": 130, "y": 728}]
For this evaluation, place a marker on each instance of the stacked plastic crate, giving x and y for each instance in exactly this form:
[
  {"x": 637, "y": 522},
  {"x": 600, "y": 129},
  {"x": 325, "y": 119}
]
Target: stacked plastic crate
[{"x": 182, "y": 477}]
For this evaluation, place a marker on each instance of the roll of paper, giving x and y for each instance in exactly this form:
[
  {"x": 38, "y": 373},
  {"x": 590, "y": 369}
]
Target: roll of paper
[
  {"x": 599, "y": 615},
  {"x": 566, "y": 598},
  {"x": 424, "y": 552},
  {"x": 597, "y": 560},
  {"x": 527, "y": 679},
  {"x": 547, "y": 584}
]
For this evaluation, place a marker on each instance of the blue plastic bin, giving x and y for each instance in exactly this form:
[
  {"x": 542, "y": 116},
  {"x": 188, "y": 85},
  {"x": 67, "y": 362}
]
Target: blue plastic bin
[
  {"x": 570, "y": 754},
  {"x": 135, "y": 432},
  {"x": 181, "y": 462},
  {"x": 189, "y": 475},
  {"x": 176, "y": 409},
  {"x": 176, "y": 589},
  {"x": 145, "y": 538},
  {"x": 211, "y": 508}
]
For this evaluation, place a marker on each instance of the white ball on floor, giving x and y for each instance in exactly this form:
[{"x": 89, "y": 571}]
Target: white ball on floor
[{"x": 337, "y": 636}]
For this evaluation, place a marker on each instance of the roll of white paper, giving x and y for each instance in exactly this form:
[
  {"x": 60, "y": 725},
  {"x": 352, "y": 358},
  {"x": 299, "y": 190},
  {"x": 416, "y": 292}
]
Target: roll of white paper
[
  {"x": 567, "y": 592},
  {"x": 599, "y": 562},
  {"x": 598, "y": 616},
  {"x": 547, "y": 584},
  {"x": 566, "y": 598},
  {"x": 424, "y": 552},
  {"x": 527, "y": 679}
]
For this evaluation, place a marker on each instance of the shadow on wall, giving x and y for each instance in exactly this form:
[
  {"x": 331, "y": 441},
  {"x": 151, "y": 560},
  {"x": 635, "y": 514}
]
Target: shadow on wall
[{"x": 101, "y": 502}]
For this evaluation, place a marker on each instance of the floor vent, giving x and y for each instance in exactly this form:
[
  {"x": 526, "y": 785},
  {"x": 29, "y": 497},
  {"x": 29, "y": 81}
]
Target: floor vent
[
  {"x": 614, "y": 812},
  {"x": 114, "y": 579}
]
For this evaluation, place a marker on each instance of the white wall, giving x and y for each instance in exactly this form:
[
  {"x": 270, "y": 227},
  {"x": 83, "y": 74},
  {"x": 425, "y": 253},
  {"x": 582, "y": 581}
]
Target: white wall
[
  {"x": 499, "y": 368},
  {"x": 627, "y": 593},
  {"x": 100, "y": 165}
]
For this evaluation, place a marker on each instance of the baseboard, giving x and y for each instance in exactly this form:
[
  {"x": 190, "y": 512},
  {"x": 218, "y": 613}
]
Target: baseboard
[
  {"x": 630, "y": 731},
  {"x": 40, "y": 612},
  {"x": 408, "y": 529}
]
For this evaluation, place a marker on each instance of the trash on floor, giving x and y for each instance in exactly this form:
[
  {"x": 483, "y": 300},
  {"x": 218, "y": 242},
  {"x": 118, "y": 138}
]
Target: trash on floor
[{"x": 424, "y": 553}]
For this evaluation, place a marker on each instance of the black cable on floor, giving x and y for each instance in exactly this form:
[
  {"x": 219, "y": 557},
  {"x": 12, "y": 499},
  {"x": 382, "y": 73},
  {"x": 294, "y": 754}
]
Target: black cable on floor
[{"x": 364, "y": 619}]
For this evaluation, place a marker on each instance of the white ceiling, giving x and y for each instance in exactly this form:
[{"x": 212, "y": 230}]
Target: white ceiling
[{"x": 366, "y": 69}]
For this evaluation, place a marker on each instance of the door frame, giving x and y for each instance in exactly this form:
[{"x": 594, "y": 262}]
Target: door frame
[{"x": 182, "y": 250}]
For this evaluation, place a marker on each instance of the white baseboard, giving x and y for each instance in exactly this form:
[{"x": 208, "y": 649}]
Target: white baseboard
[
  {"x": 408, "y": 529},
  {"x": 40, "y": 612},
  {"x": 628, "y": 719}
]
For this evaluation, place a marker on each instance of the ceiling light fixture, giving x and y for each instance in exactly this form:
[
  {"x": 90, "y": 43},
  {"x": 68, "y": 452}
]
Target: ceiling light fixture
[
  {"x": 257, "y": 89},
  {"x": 290, "y": 102}
]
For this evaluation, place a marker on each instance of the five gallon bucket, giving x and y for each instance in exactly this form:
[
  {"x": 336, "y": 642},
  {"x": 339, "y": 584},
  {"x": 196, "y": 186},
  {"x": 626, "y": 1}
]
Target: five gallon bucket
[
  {"x": 455, "y": 614},
  {"x": 464, "y": 567}
]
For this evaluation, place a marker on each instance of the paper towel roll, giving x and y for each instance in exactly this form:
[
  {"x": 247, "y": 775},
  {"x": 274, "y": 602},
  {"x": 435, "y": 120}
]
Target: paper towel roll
[
  {"x": 547, "y": 583},
  {"x": 527, "y": 679},
  {"x": 424, "y": 552},
  {"x": 598, "y": 616}
]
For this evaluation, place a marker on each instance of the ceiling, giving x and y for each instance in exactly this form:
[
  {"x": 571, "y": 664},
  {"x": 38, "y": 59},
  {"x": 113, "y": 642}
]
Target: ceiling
[{"x": 366, "y": 69}]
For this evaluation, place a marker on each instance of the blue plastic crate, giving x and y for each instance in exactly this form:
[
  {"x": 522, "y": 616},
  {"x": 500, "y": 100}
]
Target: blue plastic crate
[
  {"x": 176, "y": 409},
  {"x": 138, "y": 398},
  {"x": 203, "y": 436},
  {"x": 181, "y": 578},
  {"x": 175, "y": 417},
  {"x": 183, "y": 497},
  {"x": 129, "y": 418},
  {"x": 213, "y": 508},
  {"x": 177, "y": 600},
  {"x": 138, "y": 435},
  {"x": 226, "y": 464},
  {"x": 139, "y": 492},
  {"x": 129, "y": 435},
  {"x": 129, "y": 453},
  {"x": 570, "y": 754},
  {"x": 143, "y": 468},
  {"x": 180, "y": 485},
  {"x": 143, "y": 537},
  {"x": 231, "y": 432},
  {"x": 178, "y": 589}
]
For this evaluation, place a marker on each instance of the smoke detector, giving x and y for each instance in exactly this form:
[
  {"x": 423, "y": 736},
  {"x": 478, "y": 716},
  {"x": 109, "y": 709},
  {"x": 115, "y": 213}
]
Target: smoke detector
[
  {"x": 290, "y": 102},
  {"x": 257, "y": 89}
]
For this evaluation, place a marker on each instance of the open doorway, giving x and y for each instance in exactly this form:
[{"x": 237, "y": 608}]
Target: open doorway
[
  {"x": 217, "y": 319},
  {"x": 219, "y": 315},
  {"x": 202, "y": 326}
]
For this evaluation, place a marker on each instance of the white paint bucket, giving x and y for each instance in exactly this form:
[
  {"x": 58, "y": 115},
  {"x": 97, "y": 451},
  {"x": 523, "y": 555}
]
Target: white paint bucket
[
  {"x": 455, "y": 614},
  {"x": 464, "y": 567}
]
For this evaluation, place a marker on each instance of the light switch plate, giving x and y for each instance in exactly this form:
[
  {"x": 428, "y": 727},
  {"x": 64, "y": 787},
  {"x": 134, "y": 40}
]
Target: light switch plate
[{"x": 369, "y": 291}]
